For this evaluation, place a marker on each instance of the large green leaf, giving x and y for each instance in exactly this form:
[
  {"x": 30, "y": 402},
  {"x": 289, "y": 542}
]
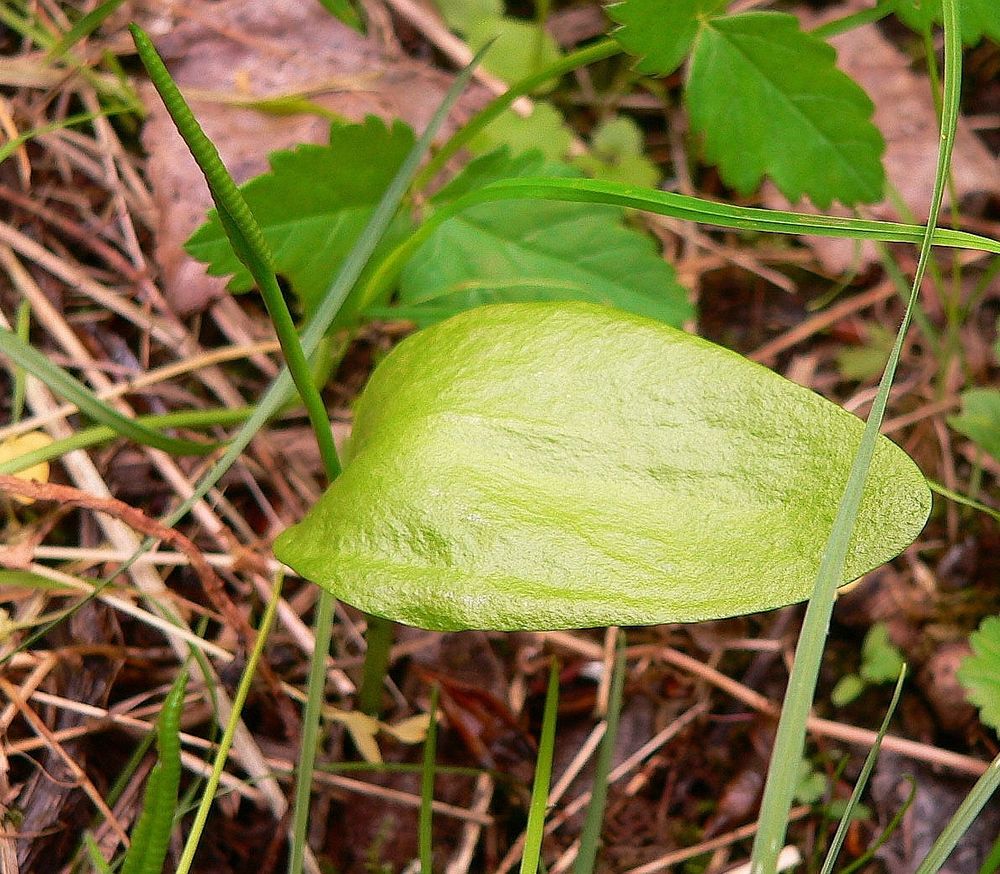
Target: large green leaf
[
  {"x": 535, "y": 250},
  {"x": 768, "y": 99},
  {"x": 765, "y": 96},
  {"x": 534, "y": 466},
  {"x": 312, "y": 206}
]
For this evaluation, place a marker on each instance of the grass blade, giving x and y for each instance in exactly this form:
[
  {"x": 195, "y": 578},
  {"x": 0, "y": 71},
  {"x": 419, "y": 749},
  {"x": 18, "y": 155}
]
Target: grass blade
[
  {"x": 591, "y": 834},
  {"x": 958, "y": 825},
  {"x": 862, "y": 781},
  {"x": 424, "y": 830},
  {"x": 790, "y": 739},
  {"x": 226, "y": 742},
  {"x": 94, "y": 436},
  {"x": 535, "y": 829},
  {"x": 83, "y": 28},
  {"x": 70, "y": 388},
  {"x": 965, "y": 501}
]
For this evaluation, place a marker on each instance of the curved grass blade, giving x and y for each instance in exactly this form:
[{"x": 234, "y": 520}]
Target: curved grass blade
[
  {"x": 12, "y": 145},
  {"x": 248, "y": 243},
  {"x": 98, "y": 434},
  {"x": 696, "y": 209},
  {"x": 535, "y": 829},
  {"x": 945, "y": 492},
  {"x": 591, "y": 834},
  {"x": 678, "y": 206},
  {"x": 151, "y": 835},
  {"x": 83, "y": 28},
  {"x": 790, "y": 739},
  {"x": 886, "y": 833},
  {"x": 862, "y": 781},
  {"x": 226, "y": 742},
  {"x": 424, "y": 831},
  {"x": 62, "y": 383},
  {"x": 959, "y": 824}
]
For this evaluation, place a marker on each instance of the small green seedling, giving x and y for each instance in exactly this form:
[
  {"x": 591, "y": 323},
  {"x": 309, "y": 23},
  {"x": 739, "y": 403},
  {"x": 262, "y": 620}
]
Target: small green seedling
[
  {"x": 562, "y": 465},
  {"x": 881, "y": 662}
]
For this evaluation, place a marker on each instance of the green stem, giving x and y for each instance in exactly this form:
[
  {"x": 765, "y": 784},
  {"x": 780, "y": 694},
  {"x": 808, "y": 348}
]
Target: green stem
[
  {"x": 379, "y": 640},
  {"x": 857, "y": 19},
  {"x": 248, "y": 242},
  {"x": 322, "y": 629}
]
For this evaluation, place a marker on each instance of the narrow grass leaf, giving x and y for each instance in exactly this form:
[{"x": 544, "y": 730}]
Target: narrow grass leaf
[
  {"x": 84, "y": 27},
  {"x": 862, "y": 781},
  {"x": 535, "y": 829},
  {"x": 98, "y": 861},
  {"x": 886, "y": 833},
  {"x": 68, "y": 387},
  {"x": 965, "y": 501},
  {"x": 98, "y": 434},
  {"x": 790, "y": 739},
  {"x": 591, "y": 833},
  {"x": 226, "y": 742},
  {"x": 424, "y": 828},
  {"x": 151, "y": 834},
  {"x": 967, "y": 811}
]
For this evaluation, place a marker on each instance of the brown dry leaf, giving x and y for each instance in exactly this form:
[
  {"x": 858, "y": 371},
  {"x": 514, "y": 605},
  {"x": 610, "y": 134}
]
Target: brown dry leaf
[
  {"x": 223, "y": 52},
  {"x": 904, "y": 112}
]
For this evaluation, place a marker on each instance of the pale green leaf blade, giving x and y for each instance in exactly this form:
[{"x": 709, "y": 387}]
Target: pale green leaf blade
[
  {"x": 565, "y": 465},
  {"x": 520, "y": 48},
  {"x": 793, "y": 116},
  {"x": 660, "y": 32},
  {"x": 980, "y": 418},
  {"x": 978, "y": 18},
  {"x": 462, "y": 15},
  {"x": 979, "y": 673},
  {"x": 545, "y": 130},
  {"x": 311, "y": 206}
]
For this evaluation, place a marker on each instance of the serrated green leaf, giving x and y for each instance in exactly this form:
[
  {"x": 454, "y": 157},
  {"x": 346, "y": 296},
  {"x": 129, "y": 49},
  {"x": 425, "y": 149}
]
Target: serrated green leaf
[
  {"x": 538, "y": 250},
  {"x": 544, "y": 130},
  {"x": 980, "y": 419},
  {"x": 979, "y": 673},
  {"x": 881, "y": 661},
  {"x": 977, "y": 18},
  {"x": 520, "y": 49},
  {"x": 767, "y": 99},
  {"x": 462, "y": 15},
  {"x": 312, "y": 205},
  {"x": 543, "y": 466},
  {"x": 660, "y": 32},
  {"x": 616, "y": 154}
]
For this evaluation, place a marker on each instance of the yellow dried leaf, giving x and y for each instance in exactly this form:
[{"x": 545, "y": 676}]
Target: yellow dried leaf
[{"x": 14, "y": 447}]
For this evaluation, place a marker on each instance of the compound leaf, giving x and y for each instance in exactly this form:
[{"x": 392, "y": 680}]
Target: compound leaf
[
  {"x": 312, "y": 205},
  {"x": 535, "y": 250},
  {"x": 539, "y": 466},
  {"x": 979, "y": 673},
  {"x": 767, "y": 99}
]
